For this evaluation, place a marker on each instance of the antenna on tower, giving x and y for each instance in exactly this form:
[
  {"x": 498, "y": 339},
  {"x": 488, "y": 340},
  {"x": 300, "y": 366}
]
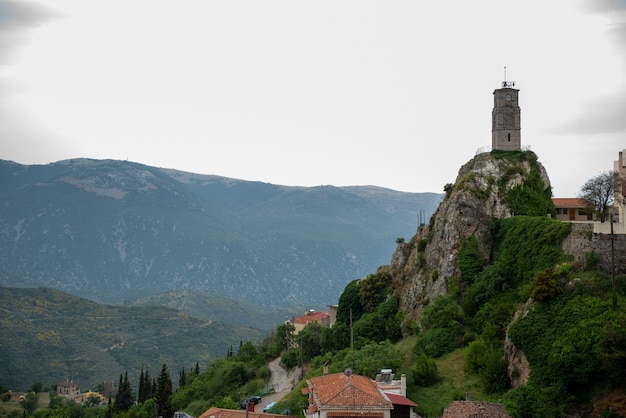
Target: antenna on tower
[{"x": 506, "y": 83}]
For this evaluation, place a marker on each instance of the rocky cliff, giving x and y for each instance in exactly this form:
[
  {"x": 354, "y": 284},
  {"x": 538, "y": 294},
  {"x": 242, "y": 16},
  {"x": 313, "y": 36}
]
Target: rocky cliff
[{"x": 488, "y": 187}]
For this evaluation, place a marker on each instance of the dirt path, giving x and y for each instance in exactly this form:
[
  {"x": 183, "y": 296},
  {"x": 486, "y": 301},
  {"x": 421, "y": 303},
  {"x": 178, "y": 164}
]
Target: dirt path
[{"x": 281, "y": 381}]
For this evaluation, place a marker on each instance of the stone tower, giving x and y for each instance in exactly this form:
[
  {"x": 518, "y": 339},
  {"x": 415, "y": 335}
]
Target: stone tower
[{"x": 505, "y": 118}]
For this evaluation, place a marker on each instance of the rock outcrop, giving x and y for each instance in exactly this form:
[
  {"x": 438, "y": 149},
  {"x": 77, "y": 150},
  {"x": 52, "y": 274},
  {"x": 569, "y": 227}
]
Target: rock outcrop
[{"x": 423, "y": 267}]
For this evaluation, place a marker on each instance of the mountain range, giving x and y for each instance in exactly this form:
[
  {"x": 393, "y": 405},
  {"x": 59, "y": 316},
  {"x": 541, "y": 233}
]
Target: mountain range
[{"x": 114, "y": 231}]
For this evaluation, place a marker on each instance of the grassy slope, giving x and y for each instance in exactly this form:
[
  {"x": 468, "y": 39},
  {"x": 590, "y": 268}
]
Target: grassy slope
[{"x": 454, "y": 383}]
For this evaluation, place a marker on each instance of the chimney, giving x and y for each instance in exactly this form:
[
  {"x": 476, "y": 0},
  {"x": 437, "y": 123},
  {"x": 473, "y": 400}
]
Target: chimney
[
  {"x": 325, "y": 368},
  {"x": 403, "y": 384},
  {"x": 468, "y": 396}
]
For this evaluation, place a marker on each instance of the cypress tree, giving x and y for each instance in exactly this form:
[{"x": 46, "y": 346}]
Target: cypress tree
[
  {"x": 148, "y": 390},
  {"x": 164, "y": 394},
  {"x": 182, "y": 379},
  {"x": 141, "y": 391},
  {"x": 124, "y": 398}
]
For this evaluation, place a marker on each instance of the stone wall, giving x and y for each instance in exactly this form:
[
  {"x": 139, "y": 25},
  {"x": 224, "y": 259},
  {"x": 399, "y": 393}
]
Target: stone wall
[{"x": 582, "y": 240}]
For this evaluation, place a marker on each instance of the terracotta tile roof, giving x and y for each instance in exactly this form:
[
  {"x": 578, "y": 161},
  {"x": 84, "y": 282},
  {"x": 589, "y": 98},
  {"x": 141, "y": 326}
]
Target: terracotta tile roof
[
  {"x": 397, "y": 399},
  {"x": 570, "y": 202},
  {"x": 471, "y": 409},
  {"x": 342, "y": 391},
  {"x": 310, "y": 317},
  {"x": 355, "y": 414},
  {"x": 236, "y": 413}
]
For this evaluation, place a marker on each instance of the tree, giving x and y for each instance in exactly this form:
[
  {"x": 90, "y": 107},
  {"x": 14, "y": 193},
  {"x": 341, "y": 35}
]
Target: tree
[
  {"x": 600, "y": 192},
  {"x": 29, "y": 403},
  {"x": 124, "y": 397},
  {"x": 350, "y": 303},
  {"x": 163, "y": 396}
]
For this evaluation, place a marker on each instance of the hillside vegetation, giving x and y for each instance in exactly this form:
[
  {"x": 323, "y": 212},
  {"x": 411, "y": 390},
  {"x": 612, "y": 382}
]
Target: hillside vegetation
[{"x": 49, "y": 336}]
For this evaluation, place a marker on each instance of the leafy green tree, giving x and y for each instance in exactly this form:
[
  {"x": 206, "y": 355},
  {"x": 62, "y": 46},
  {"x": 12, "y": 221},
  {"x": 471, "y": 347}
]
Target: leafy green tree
[
  {"x": 546, "y": 285},
  {"x": 600, "y": 192},
  {"x": 309, "y": 341},
  {"x": 281, "y": 339},
  {"x": 612, "y": 354},
  {"x": 374, "y": 290},
  {"x": 36, "y": 387},
  {"x": 425, "y": 371},
  {"x": 443, "y": 313},
  {"x": 335, "y": 338},
  {"x": 382, "y": 324},
  {"x": 163, "y": 396},
  {"x": 350, "y": 304},
  {"x": 374, "y": 356},
  {"x": 29, "y": 403},
  {"x": 436, "y": 342},
  {"x": 247, "y": 352}
]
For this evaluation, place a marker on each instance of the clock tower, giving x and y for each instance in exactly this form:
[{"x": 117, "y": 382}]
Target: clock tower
[{"x": 505, "y": 118}]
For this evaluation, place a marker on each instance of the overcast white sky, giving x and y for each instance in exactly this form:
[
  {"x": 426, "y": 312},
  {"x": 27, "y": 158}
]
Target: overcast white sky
[{"x": 396, "y": 94}]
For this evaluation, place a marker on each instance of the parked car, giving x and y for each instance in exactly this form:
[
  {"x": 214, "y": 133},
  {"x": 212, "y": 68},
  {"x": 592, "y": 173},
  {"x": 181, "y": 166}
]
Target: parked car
[
  {"x": 252, "y": 399},
  {"x": 269, "y": 406}
]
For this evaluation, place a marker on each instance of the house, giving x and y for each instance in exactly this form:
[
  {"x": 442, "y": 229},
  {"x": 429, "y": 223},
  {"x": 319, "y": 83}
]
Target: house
[
  {"x": 68, "y": 389},
  {"x": 321, "y": 317},
  {"x": 471, "y": 409},
  {"x": 402, "y": 406},
  {"x": 345, "y": 395},
  {"x": 215, "y": 412},
  {"x": 396, "y": 392},
  {"x": 573, "y": 209}
]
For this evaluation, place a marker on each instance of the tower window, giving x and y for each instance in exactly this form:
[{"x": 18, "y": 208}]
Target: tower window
[{"x": 509, "y": 137}]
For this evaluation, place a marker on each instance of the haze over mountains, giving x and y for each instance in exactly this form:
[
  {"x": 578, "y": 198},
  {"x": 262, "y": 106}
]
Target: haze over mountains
[{"x": 115, "y": 231}]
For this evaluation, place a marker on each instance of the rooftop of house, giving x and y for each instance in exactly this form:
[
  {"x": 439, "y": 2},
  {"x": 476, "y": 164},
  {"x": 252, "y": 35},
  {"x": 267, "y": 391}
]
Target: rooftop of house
[
  {"x": 67, "y": 384},
  {"x": 235, "y": 413},
  {"x": 311, "y": 316},
  {"x": 345, "y": 390},
  {"x": 570, "y": 202},
  {"x": 397, "y": 399}
]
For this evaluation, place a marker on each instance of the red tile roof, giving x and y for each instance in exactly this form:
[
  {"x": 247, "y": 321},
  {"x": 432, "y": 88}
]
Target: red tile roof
[
  {"x": 310, "y": 317},
  {"x": 570, "y": 202},
  {"x": 235, "y": 413},
  {"x": 397, "y": 399},
  {"x": 340, "y": 390}
]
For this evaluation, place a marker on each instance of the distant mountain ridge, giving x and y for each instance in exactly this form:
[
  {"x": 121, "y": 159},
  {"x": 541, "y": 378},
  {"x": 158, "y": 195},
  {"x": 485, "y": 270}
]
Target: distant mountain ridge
[{"x": 115, "y": 231}]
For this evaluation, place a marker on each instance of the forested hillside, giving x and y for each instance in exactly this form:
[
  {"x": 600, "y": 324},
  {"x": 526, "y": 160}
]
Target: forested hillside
[{"x": 49, "y": 336}]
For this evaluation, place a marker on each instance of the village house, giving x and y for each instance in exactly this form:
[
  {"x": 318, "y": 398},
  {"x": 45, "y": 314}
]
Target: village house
[
  {"x": 345, "y": 395},
  {"x": 321, "y": 317},
  {"x": 215, "y": 412},
  {"x": 396, "y": 392},
  {"x": 573, "y": 209},
  {"x": 68, "y": 389}
]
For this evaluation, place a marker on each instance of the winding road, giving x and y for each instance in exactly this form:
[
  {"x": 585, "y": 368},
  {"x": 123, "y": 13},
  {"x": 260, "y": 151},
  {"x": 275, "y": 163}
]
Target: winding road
[{"x": 282, "y": 382}]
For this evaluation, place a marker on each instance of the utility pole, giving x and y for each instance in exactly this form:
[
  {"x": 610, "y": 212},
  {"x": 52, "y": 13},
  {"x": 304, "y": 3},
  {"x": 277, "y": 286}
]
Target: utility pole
[{"x": 612, "y": 258}]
